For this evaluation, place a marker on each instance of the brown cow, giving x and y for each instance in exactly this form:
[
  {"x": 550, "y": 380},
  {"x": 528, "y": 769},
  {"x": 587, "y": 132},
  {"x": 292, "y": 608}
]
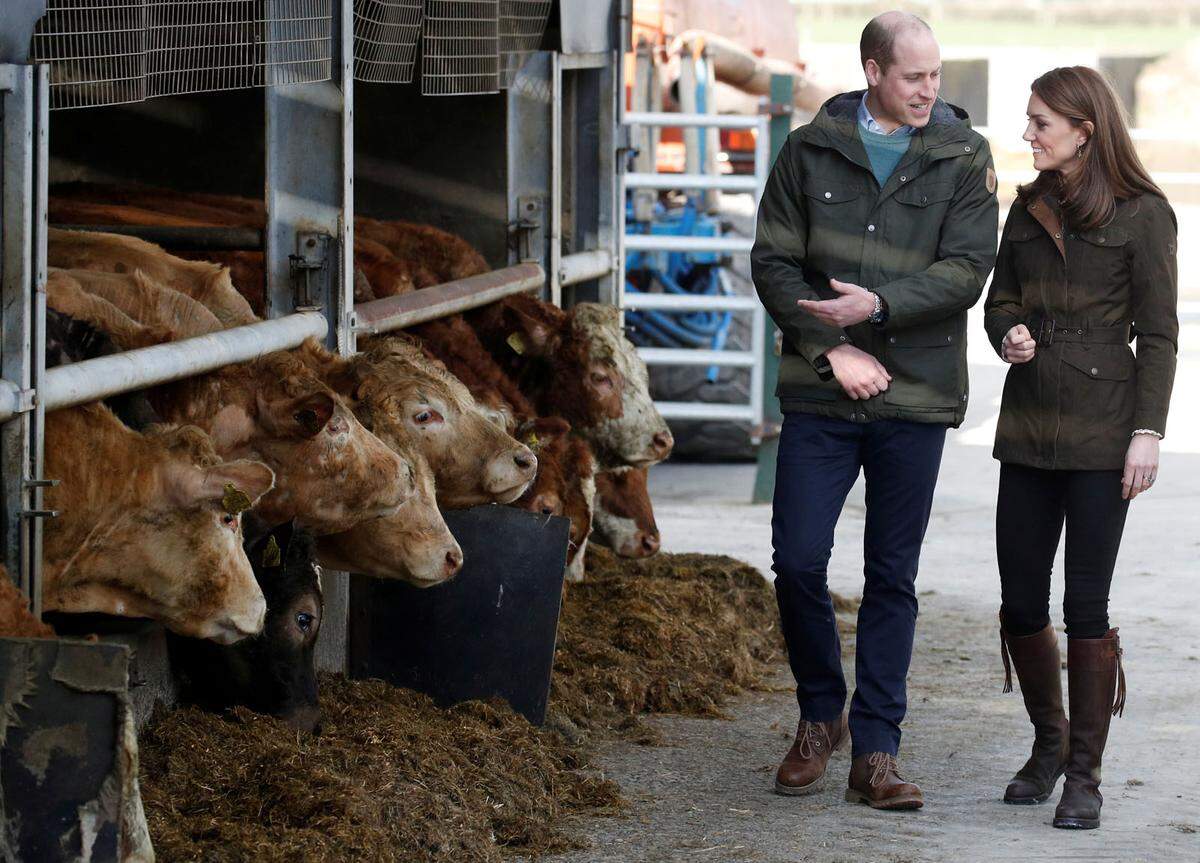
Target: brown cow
[
  {"x": 331, "y": 473},
  {"x": 65, "y": 295},
  {"x": 206, "y": 283},
  {"x": 432, "y": 256},
  {"x": 145, "y": 300},
  {"x": 16, "y": 620},
  {"x": 414, "y": 545},
  {"x": 624, "y": 519},
  {"x": 408, "y": 400},
  {"x": 580, "y": 366},
  {"x": 149, "y": 526}
]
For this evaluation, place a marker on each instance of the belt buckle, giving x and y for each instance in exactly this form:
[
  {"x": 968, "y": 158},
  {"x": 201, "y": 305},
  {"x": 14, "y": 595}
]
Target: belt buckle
[{"x": 1046, "y": 332}]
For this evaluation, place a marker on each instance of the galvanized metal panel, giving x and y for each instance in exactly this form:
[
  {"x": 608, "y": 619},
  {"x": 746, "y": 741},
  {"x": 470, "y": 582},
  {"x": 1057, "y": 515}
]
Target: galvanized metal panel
[
  {"x": 522, "y": 23},
  {"x": 587, "y": 26}
]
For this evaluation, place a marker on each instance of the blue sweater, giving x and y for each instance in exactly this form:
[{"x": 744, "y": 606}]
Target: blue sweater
[{"x": 884, "y": 151}]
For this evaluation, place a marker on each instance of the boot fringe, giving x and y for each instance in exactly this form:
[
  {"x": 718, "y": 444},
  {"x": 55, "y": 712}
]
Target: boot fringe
[
  {"x": 1119, "y": 705},
  {"x": 1008, "y": 687}
]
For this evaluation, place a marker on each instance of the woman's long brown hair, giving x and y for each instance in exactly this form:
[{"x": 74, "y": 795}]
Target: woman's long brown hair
[{"x": 1111, "y": 169}]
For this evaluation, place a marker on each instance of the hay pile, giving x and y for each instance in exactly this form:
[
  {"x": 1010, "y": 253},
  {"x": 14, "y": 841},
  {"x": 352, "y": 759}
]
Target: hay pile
[
  {"x": 674, "y": 633},
  {"x": 391, "y": 777}
]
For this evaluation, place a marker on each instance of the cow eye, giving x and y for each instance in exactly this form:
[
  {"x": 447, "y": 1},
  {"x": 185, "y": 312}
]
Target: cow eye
[
  {"x": 427, "y": 417},
  {"x": 601, "y": 380},
  {"x": 304, "y": 620},
  {"x": 229, "y": 520}
]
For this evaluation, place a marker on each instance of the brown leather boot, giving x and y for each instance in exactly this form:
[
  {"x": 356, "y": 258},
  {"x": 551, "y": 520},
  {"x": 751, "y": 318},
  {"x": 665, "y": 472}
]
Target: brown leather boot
[
  {"x": 1039, "y": 670},
  {"x": 1093, "y": 672},
  {"x": 804, "y": 765},
  {"x": 875, "y": 780}
]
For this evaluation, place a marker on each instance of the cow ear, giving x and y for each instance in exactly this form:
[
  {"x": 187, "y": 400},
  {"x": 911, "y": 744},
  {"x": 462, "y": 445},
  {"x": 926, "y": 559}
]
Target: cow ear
[
  {"x": 529, "y": 336},
  {"x": 235, "y": 483}
]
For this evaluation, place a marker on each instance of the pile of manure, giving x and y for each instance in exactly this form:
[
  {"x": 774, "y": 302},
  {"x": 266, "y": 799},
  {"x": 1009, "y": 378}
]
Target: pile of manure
[
  {"x": 674, "y": 633},
  {"x": 390, "y": 777}
]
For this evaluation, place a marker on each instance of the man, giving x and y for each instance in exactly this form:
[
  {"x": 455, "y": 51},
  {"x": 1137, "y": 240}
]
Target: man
[{"x": 876, "y": 232}]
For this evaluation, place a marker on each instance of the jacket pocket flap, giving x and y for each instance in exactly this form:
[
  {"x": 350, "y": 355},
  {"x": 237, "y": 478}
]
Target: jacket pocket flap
[
  {"x": 924, "y": 194},
  {"x": 1102, "y": 366},
  {"x": 830, "y": 191},
  {"x": 1102, "y": 237}
]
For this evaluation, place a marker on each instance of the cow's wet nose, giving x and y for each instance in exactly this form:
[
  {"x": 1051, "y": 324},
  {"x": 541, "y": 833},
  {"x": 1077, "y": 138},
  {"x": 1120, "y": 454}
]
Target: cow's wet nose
[
  {"x": 649, "y": 543},
  {"x": 663, "y": 443}
]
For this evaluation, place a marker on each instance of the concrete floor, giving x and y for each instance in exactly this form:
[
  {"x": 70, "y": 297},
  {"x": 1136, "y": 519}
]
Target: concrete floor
[{"x": 708, "y": 797}]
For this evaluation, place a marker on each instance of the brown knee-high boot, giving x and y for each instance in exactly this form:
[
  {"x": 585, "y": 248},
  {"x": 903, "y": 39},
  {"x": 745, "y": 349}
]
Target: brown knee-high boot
[
  {"x": 1039, "y": 670},
  {"x": 1093, "y": 673}
]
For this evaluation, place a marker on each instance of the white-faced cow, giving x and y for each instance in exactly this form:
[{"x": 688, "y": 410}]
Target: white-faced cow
[{"x": 579, "y": 365}]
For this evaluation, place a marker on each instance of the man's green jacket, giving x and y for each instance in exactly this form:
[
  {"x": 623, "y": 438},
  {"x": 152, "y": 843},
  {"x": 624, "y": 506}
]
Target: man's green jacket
[{"x": 925, "y": 243}]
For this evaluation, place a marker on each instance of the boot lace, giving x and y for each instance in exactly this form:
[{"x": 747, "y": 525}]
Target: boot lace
[
  {"x": 883, "y": 764},
  {"x": 812, "y": 739}
]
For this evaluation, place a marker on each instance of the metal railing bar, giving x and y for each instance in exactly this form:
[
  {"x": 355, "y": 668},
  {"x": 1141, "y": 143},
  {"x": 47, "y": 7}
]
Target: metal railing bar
[
  {"x": 668, "y": 243},
  {"x": 406, "y": 310},
  {"x": 724, "y": 182},
  {"x": 669, "y": 120},
  {"x": 696, "y": 357},
  {"x": 691, "y": 302},
  {"x": 99, "y": 378}
]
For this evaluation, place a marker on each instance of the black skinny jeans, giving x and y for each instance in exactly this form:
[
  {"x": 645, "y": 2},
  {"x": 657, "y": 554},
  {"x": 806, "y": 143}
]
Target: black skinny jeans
[{"x": 1030, "y": 510}]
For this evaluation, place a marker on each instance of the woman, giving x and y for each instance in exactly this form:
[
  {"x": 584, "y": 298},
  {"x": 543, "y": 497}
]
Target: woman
[{"x": 1086, "y": 265}]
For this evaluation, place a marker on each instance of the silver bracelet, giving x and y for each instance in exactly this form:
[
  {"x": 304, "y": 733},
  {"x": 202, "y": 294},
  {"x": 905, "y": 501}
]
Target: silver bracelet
[{"x": 1146, "y": 431}]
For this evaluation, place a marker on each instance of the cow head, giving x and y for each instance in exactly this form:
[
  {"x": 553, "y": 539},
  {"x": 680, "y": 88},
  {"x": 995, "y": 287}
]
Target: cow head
[
  {"x": 565, "y": 482},
  {"x": 331, "y": 472},
  {"x": 580, "y": 366},
  {"x": 274, "y": 672},
  {"x": 410, "y": 400},
  {"x": 414, "y": 545},
  {"x": 624, "y": 518},
  {"x": 150, "y": 526}
]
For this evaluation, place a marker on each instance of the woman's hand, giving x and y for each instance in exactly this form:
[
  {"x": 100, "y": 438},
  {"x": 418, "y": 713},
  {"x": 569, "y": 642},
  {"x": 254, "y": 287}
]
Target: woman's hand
[
  {"x": 1018, "y": 345},
  {"x": 1141, "y": 465}
]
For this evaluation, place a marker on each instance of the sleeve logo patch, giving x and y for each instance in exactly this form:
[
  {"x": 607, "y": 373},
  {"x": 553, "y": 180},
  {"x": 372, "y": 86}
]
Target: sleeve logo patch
[{"x": 990, "y": 181}]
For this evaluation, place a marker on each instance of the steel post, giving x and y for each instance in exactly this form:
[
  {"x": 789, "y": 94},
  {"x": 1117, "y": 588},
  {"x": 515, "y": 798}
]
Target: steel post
[{"x": 768, "y": 450}]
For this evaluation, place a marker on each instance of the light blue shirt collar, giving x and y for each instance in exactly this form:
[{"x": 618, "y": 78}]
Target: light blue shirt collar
[{"x": 869, "y": 123}]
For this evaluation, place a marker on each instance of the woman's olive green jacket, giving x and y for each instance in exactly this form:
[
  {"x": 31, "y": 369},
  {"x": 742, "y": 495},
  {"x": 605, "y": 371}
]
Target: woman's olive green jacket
[{"x": 1085, "y": 296}]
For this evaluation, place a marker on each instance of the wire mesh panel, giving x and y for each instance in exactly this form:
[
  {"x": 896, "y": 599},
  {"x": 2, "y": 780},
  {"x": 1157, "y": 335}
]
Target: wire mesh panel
[
  {"x": 460, "y": 50},
  {"x": 521, "y": 25},
  {"x": 385, "y": 39},
  {"x": 96, "y": 50},
  {"x": 104, "y": 53}
]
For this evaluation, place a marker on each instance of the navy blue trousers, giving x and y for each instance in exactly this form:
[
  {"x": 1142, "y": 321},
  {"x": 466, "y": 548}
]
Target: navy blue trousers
[{"x": 819, "y": 460}]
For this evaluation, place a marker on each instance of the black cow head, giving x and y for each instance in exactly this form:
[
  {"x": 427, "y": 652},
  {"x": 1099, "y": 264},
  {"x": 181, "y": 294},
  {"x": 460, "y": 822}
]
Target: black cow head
[{"x": 273, "y": 672}]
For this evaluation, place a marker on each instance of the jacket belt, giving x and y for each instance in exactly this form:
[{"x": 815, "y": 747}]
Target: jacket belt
[{"x": 1046, "y": 332}]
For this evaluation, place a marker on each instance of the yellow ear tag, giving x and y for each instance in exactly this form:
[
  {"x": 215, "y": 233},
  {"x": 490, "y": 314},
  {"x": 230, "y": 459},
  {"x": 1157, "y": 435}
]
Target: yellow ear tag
[
  {"x": 517, "y": 342},
  {"x": 271, "y": 554},
  {"x": 235, "y": 501},
  {"x": 532, "y": 441}
]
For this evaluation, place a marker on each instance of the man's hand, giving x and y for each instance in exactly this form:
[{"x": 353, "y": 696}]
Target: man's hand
[
  {"x": 1018, "y": 345},
  {"x": 854, "y": 305},
  {"x": 859, "y": 373}
]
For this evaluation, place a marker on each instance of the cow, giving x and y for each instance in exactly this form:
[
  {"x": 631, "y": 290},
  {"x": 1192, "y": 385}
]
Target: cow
[
  {"x": 207, "y": 283},
  {"x": 273, "y": 672},
  {"x": 16, "y": 620},
  {"x": 624, "y": 518},
  {"x": 578, "y": 364},
  {"x": 149, "y": 525},
  {"x": 142, "y": 299},
  {"x": 414, "y": 545},
  {"x": 565, "y": 483},
  {"x": 410, "y": 401},
  {"x": 432, "y": 256}
]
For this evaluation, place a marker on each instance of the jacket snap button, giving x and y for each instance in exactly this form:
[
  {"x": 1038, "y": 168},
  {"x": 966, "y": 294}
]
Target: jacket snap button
[
  {"x": 843, "y": 338},
  {"x": 1095, "y": 371},
  {"x": 902, "y": 179},
  {"x": 967, "y": 149},
  {"x": 1058, "y": 236},
  {"x": 892, "y": 339},
  {"x": 924, "y": 199},
  {"x": 949, "y": 338},
  {"x": 1100, "y": 239},
  {"x": 1080, "y": 332},
  {"x": 829, "y": 194},
  {"x": 870, "y": 227}
]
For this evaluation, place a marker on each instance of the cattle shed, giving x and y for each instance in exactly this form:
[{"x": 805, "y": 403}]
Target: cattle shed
[{"x": 496, "y": 121}]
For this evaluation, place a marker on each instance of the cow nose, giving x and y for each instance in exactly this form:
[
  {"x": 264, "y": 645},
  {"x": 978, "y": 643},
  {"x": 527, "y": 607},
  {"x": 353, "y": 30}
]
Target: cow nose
[
  {"x": 663, "y": 443},
  {"x": 454, "y": 561},
  {"x": 525, "y": 459},
  {"x": 649, "y": 543}
]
